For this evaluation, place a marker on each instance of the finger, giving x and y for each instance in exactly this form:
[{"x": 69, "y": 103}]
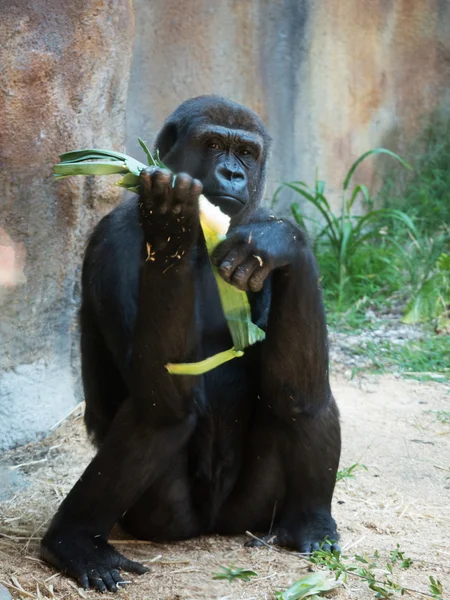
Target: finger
[
  {"x": 108, "y": 579},
  {"x": 162, "y": 188},
  {"x": 253, "y": 543},
  {"x": 325, "y": 547},
  {"x": 186, "y": 192},
  {"x": 96, "y": 581},
  {"x": 196, "y": 188},
  {"x": 223, "y": 249},
  {"x": 305, "y": 547},
  {"x": 182, "y": 184},
  {"x": 230, "y": 262},
  {"x": 117, "y": 576},
  {"x": 258, "y": 278},
  {"x": 84, "y": 580},
  {"x": 132, "y": 566},
  {"x": 335, "y": 548},
  {"x": 243, "y": 273},
  {"x": 146, "y": 177},
  {"x": 315, "y": 546}
]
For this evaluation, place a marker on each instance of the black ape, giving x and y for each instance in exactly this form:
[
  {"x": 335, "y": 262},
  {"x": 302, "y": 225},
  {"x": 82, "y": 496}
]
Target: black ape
[{"x": 256, "y": 439}]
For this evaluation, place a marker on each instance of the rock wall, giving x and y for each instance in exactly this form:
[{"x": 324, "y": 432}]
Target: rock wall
[
  {"x": 64, "y": 69},
  {"x": 330, "y": 78}
]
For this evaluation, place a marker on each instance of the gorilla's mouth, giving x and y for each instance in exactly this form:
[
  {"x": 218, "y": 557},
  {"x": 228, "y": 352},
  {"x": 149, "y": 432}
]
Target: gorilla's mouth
[{"x": 230, "y": 204}]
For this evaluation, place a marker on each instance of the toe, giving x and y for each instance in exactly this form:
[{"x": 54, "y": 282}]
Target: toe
[
  {"x": 96, "y": 581},
  {"x": 132, "y": 566},
  {"x": 84, "y": 580},
  {"x": 108, "y": 579}
]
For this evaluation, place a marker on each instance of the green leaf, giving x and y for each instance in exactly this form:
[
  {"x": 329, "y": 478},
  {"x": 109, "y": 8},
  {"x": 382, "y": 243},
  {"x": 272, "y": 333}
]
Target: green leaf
[
  {"x": 359, "y": 189},
  {"x": 129, "y": 181},
  {"x": 151, "y": 161},
  {"x": 232, "y": 573},
  {"x": 90, "y": 168},
  {"x": 203, "y": 366},
  {"x": 134, "y": 166},
  {"x": 370, "y": 153},
  {"x": 237, "y": 311},
  {"x": 90, "y": 153},
  {"x": 443, "y": 262},
  {"x": 322, "y": 206},
  {"x": 390, "y": 213},
  {"x": 308, "y": 586},
  {"x": 297, "y": 214},
  {"x": 349, "y": 471}
]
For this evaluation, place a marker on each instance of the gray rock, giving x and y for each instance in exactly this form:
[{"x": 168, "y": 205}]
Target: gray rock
[
  {"x": 4, "y": 594},
  {"x": 65, "y": 88}
]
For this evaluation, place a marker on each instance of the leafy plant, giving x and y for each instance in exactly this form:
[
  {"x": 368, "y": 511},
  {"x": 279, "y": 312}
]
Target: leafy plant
[
  {"x": 425, "y": 192},
  {"x": 378, "y": 577},
  {"x": 432, "y": 301},
  {"x": 231, "y": 573},
  {"x": 436, "y": 588},
  {"x": 443, "y": 416},
  {"x": 398, "y": 555},
  {"x": 346, "y": 233},
  {"x": 349, "y": 472},
  {"x": 310, "y": 586}
]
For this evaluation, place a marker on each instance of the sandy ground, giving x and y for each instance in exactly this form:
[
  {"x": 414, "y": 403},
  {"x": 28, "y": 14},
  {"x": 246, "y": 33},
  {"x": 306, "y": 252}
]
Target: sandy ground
[{"x": 403, "y": 497}]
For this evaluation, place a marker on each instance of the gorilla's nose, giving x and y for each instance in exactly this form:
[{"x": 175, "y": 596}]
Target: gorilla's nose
[{"x": 234, "y": 175}]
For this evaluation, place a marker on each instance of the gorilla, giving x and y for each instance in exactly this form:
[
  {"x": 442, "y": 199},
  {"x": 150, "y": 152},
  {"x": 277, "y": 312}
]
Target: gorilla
[{"x": 251, "y": 445}]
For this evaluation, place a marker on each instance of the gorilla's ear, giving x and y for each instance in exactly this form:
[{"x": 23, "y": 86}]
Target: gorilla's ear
[{"x": 166, "y": 139}]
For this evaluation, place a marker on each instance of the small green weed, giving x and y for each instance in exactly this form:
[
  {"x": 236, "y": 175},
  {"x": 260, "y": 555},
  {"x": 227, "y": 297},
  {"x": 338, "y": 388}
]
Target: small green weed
[
  {"x": 436, "y": 588},
  {"x": 398, "y": 556},
  {"x": 231, "y": 573},
  {"x": 443, "y": 416},
  {"x": 378, "y": 574},
  {"x": 349, "y": 472}
]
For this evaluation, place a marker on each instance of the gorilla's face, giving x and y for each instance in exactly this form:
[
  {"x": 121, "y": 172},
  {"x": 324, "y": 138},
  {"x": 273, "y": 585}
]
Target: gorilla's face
[{"x": 222, "y": 144}]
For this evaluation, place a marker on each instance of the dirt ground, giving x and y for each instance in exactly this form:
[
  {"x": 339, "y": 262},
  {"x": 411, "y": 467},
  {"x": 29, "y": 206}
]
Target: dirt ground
[{"x": 403, "y": 497}]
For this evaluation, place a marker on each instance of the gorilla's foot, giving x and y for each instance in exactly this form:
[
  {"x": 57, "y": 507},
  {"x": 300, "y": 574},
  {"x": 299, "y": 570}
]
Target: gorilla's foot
[{"x": 306, "y": 534}]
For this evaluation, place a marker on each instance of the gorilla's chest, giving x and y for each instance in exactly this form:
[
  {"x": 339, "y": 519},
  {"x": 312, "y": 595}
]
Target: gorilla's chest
[{"x": 228, "y": 395}]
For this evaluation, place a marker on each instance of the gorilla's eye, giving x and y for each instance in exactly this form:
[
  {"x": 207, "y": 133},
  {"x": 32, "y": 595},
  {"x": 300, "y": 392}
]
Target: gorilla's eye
[
  {"x": 245, "y": 151},
  {"x": 213, "y": 145}
]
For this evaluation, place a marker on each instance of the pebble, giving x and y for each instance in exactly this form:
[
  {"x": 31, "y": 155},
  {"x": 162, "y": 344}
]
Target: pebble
[
  {"x": 4, "y": 594},
  {"x": 348, "y": 349}
]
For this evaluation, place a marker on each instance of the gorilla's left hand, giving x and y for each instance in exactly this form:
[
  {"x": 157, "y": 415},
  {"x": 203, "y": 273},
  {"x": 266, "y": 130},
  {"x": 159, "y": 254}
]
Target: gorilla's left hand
[{"x": 251, "y": 252}]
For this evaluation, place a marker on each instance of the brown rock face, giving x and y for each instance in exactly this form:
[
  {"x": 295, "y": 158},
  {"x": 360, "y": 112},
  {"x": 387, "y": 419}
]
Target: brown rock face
[
  {"x": 330, "y": 79},
  {"x": 64, "y": 70}
]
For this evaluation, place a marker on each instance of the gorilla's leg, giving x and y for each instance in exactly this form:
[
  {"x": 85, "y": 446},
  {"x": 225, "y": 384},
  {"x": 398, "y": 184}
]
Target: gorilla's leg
[
  {"x": 104, "y": 389},
  {"x": 158, "y": 418},
  {"x": 165, "y": 512},
  {"x": 296, "y": 433}
]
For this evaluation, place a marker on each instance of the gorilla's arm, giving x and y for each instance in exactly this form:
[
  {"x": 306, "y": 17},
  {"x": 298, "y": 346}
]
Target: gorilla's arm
[
  {"x": 157, "y": 419},
  {"x": 295, "y": 388}
]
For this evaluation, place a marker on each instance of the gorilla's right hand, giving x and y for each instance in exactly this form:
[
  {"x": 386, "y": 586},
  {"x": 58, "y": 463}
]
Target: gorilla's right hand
[
  {"x": 169, "y": 213},
  {"x": 87, "y": 558}
]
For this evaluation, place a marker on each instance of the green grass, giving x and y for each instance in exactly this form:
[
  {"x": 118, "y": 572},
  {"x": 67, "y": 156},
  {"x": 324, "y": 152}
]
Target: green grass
[{"x": 424, "y": 359}]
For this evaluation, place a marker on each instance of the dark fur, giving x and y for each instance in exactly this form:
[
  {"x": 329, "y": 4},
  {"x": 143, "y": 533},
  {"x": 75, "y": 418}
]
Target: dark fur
[{"x": 254, "y": 441}]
